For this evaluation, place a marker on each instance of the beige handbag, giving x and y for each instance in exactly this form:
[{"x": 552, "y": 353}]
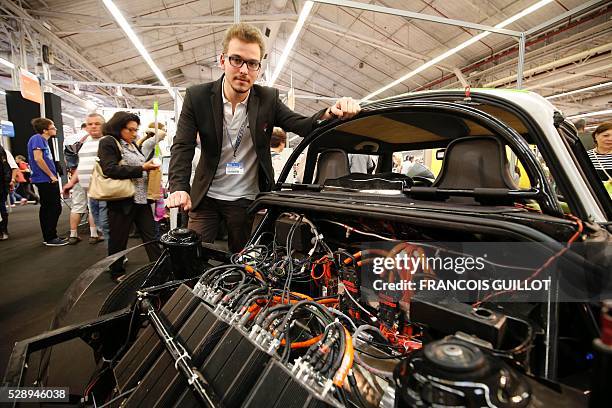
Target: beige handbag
[{"x": 109, "y": 189}]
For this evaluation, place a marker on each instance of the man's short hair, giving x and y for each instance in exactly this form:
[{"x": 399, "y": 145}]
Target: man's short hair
[
  {"x": 83, "y": 125},
  {"x": 96, "y": 115},
  {"x": 580, "y": 124},
  {"x": 278, "y": 136},
  {"x": 41, "y": 124},
  {"x": 247, "y": 33}
]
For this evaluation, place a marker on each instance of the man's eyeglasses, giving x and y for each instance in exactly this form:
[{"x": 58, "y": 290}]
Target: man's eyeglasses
[
  {"x": 237, "y": 62},
  {"x": 51, "y": 128}
]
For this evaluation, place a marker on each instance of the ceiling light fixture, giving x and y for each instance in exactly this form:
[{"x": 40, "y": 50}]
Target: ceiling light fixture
[
  {"x": 127, "y": 29},
  {"x": 119, "y": 92},
  {"x": 77, "y": 91},
  {"x": 2, "y": 92},
  {"x": 584, "y": 115},
  {"x": 588, "y": 88},
  {"x": 68, "y": 116},
  {"x": 458, "y": 48},
  {"x": 291, "y": 41}
]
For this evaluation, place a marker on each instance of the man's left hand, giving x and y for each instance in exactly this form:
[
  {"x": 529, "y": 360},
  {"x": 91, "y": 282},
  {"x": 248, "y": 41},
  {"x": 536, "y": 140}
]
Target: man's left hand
[{"x": 344, "y": 108}]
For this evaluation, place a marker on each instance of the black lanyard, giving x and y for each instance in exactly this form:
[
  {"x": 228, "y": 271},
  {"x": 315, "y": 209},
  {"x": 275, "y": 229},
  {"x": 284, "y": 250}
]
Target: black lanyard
[{"x": 240, "y": 134}]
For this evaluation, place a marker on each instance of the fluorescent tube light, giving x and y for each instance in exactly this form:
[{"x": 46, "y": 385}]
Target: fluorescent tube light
[
  {"x": 458, "y": 48},
  {"x": 289, "y": 46},
  {"x": 588, "y": 88},
  {"x": 2, "y": 92},
  {"x": 598, "y": 113},
  {"x": 127, "y": 29},
  {"x": 68, "y": 116},
  {"x": 7, "y": 63},
  {"x": 77, "y": 91}
]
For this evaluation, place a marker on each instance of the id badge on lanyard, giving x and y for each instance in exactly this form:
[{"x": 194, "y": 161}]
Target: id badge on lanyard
[{"x": 236, "y": 167}]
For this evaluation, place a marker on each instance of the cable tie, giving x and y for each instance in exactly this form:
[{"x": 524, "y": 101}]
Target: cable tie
[
  {"x": 183, "y": 357},
  {"x": 192, "y": 379},
  {"x": 326, "y": 327}
]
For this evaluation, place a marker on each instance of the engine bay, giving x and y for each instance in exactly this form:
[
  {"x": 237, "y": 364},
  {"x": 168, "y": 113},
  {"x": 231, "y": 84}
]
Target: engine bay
[{"x": 289, "y": 321}]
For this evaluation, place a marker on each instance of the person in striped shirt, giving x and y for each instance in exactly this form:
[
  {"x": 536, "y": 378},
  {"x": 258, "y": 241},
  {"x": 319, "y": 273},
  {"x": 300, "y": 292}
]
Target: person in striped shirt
[
  {"x": 601, "y": 155},
  {"x": 82, "y": 176}
]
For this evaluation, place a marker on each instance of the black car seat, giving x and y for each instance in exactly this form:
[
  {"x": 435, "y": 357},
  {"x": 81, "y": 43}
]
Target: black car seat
[
  {"x": 332, "y": 163},
  {"x": 475, "y": 162}
]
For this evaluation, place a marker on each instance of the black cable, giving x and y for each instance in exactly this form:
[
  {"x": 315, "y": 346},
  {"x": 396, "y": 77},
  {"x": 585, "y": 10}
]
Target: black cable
[
  {"x": 246, "y": 296},
  {"x": 209, "y": 273},
  {"x": 273, "y": 314},
  {"x": 311, "y": 351},
  {"x": 326, "y": 364},
  {"x": 304, "y": 303},
  {"x": 348, "y": 255},
  {"x": 387, "y": 357},
  {"x": 355, "y": 390},
  {"x": 129, "y": 333},
  {"x": 342, "y": 397},
  {"x": 217, "y": 282},
  {"x": 264, "y": 312},
  {"x": 287, "y": 350},
  {"x": 289, "y": 259},
  {"x": 341, "y": 346}
]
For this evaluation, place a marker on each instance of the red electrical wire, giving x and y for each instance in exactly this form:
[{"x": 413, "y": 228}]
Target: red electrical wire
[
  {"x": 546, "y": 264},
  {"x": 326, "y": 262}
]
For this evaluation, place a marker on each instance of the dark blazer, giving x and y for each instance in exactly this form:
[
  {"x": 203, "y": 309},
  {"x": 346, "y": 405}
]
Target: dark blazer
[
  {"x": 110, "y": 156},
  {"x": 203, "y": 113}
]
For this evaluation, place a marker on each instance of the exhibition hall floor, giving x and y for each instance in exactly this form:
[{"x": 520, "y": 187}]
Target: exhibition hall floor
[{"x": 34, "y": 279}]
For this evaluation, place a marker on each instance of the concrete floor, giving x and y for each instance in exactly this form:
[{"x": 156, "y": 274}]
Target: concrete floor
[{"x": 34, "y": 279}]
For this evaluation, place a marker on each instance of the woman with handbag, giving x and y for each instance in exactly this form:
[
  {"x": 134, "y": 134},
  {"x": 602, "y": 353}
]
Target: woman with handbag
[{"x": 121, "y": 160}]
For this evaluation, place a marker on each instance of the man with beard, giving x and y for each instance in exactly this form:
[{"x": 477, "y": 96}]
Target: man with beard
[{"x": 235, "y": 119}]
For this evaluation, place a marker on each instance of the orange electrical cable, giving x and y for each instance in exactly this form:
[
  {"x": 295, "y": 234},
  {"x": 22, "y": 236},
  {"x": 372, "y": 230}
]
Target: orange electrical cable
[
  {"x": 356, "y": 255},
  {"x": 277, "y": 299},
  {"x": 301, "y": 295},
  {"x": 347, "y": 360},
  {"x": 254, "y": 271},
  {"x": 253, "y": 307},
  {"x": 330, "y": 301},
  {"x": 305, "y": 343}
]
